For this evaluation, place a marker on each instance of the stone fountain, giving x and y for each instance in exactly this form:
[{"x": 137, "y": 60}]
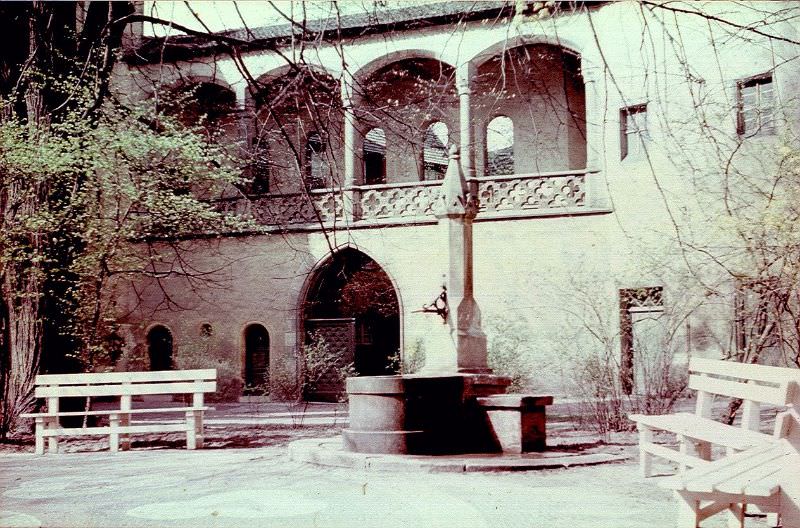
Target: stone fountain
[{"x": 455, "y": 404}]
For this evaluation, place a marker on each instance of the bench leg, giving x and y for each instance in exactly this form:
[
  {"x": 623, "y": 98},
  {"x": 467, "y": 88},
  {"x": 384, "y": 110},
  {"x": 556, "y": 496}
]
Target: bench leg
[
  {"x": 199, "y": 429},
  {"x": 688, "y": 509},
  {"x": 52, "y": 441},
  {"x": 696, "y": 448},
  {"x": 645, "y": 458},
  {"x": 735, "y": 515},
  {"x": 191, "y": 430},
  {"x": 124, "y": 438},
  {"x": 772, "y": 520},
  {"x": 113, "y": 438},
  {"x": 39, "y": 435}
]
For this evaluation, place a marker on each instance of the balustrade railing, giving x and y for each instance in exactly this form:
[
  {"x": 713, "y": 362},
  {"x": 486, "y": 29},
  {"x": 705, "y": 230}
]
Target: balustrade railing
[{"x": 518, "y": 193}]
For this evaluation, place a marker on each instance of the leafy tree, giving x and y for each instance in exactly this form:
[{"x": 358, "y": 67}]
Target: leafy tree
[{"x": 81, "y": 177}]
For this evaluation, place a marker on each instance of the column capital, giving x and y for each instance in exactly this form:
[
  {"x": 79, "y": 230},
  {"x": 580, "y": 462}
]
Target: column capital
[
  {"x": 590, "y": 72},
  {"x": 464, "y": 78}
]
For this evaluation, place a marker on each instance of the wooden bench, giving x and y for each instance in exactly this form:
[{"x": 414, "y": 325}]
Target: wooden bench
[
  {"x": 766, "y": 476},
  {"x": 754, "y": 384},
  {"x": 124, "y": 385}
]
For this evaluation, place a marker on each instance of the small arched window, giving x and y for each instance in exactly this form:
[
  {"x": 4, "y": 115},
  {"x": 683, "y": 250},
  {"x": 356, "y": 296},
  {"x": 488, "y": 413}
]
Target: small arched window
[
  {"x": 434, "y": 154},
  {"x": 259, "y": 170},
  {"x": 316, "y": 166},
  {"x": 159, "y": 347},
  {"x": 375, "y": 157},
  {"x": 500, "y": 146}
]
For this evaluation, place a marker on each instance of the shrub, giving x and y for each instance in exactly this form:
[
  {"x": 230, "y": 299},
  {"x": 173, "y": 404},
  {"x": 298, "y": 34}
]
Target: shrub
[
  {"x": 509, "y": 350},
  {"x": 318, "y": 363}
]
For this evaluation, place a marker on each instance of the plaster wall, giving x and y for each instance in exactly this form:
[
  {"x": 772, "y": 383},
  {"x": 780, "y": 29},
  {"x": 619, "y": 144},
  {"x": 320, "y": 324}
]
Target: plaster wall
[{"x": 547, "y": 270}]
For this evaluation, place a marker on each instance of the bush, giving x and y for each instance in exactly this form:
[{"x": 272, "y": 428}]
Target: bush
[
  {"x": 509, "y": 350},
  {"x": 319, "y": 362}
]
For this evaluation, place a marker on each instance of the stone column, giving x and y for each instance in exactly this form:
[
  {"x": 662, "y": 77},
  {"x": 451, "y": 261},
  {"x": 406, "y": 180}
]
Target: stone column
[
  {"x": 455, "y": 210},
  {"x": 245, "y": 114},
  {"x": 353, "y": 151},
  {"x": 594, "y": 134},
  {"x": 464, "y": 75}
]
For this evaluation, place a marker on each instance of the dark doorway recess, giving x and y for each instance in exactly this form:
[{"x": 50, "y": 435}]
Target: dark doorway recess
[
  {"x": 159, "y": 345},
  {"x": 354, "y": 289},
  {"x": 256, "y": 359}
]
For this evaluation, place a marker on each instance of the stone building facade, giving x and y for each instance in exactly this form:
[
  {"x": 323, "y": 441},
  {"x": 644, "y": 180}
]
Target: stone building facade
[{"x": 593, "y": 137}]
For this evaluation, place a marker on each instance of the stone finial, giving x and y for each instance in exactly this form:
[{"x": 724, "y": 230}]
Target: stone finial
[{"x": 455, "y": 198}]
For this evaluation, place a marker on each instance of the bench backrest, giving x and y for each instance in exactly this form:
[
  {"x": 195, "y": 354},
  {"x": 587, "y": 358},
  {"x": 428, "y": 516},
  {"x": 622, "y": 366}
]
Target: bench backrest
[
  {"x": 126, "y": 383},
  {"x": 755, "y": 384}
]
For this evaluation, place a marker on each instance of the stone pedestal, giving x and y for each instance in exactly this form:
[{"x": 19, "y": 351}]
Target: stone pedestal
[
  {"x": 517, "y": 421},
  {"x": 420, "y": 415}
]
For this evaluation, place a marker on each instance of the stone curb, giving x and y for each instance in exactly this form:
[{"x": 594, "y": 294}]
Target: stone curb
[{"x": 330, "y": 452}]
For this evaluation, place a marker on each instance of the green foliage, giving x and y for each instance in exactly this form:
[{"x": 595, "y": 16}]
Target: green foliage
[
  {"x": 510, "y": 342},
  {"x": 319, "y": 362},
  {"x": 414, "y": 358},
  {"x": 78, "y": 186}
]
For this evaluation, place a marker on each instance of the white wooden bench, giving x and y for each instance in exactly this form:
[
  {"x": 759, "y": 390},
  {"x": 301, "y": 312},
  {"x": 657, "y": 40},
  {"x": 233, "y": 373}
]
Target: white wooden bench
[
  {"x": 754, "y": 384},
  {"x": 124, "y": 385},
  {"x": 766, "y": 476}
]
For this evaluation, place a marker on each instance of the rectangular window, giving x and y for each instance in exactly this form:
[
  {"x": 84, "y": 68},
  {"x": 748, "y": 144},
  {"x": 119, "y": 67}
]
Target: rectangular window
[
  {"x": 756, "y": 100},
  {"x": 632, "y": 129}
]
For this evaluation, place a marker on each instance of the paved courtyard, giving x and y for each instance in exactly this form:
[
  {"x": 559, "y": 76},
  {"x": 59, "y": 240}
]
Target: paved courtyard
[{"x": 162, "y": 484}]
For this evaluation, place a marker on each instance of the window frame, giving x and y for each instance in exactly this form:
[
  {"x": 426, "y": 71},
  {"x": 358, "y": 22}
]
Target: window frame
[
  {"x": 625, "y": 114},
  {"x": 755, "y": 81}
]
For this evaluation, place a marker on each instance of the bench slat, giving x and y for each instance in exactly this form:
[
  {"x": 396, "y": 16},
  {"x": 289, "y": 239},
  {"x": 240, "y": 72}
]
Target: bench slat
[
  {"x": 735, "y": 389},
  {"x": 122, "y": 429},
  {"x": 188, "y": 387},
  {"x": 699, "y": 428},
  {"x": 673, "y": 455},
  {"x": 91, "y": 378},
  {"x": 777, "y": 375},
  {"x": 710, "y": 481},
  {"x": 104, "y": 412},
  {"x": 761, "y": 481}
]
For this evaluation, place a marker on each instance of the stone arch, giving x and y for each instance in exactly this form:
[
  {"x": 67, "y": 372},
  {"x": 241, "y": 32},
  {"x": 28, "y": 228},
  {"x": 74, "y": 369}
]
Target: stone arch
[
  {"x": 256, "y": 358},
  {"x": 160, "y": 347},
  {"x": 505, "y": 43},
  {"x": 288, "y": 111},
  {"x": 355, "y": 305},
  {"x": 538, "y": 85},
  {"x": 404, "y": 94},
  {"x": 264, "y": 79},
  {"x": 370, "y": 68}
]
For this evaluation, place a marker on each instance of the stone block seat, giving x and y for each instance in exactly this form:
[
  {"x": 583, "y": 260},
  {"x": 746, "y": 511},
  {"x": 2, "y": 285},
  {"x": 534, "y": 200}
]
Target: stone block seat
[{"x": 517, "y": 421}]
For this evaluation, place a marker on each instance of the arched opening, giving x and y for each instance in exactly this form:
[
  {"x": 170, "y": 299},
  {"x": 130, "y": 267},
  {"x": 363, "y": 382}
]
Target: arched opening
[
  {"x": 299, "y": 120},
  {"x": 256, "y": 359},
  {"x": 539, "y": 88},
  {"x": 159, "y": 347},
  {"x": 434, "y": 154},
  {"x": 316, "y": 165},
  {"x": 402, "y": 98},
  {"x": 500, "y": 146},
  {"x": 206, "y": 106},
  {"x": 375, "y": 157},
  {"x": 352, "y": 304}
]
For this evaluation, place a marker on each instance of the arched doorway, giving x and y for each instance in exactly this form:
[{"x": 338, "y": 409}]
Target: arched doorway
[
  {"x": 352, "y": 304},
  {"x": 256, "y": 359},
  {"x": 159, "y": 347}
]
